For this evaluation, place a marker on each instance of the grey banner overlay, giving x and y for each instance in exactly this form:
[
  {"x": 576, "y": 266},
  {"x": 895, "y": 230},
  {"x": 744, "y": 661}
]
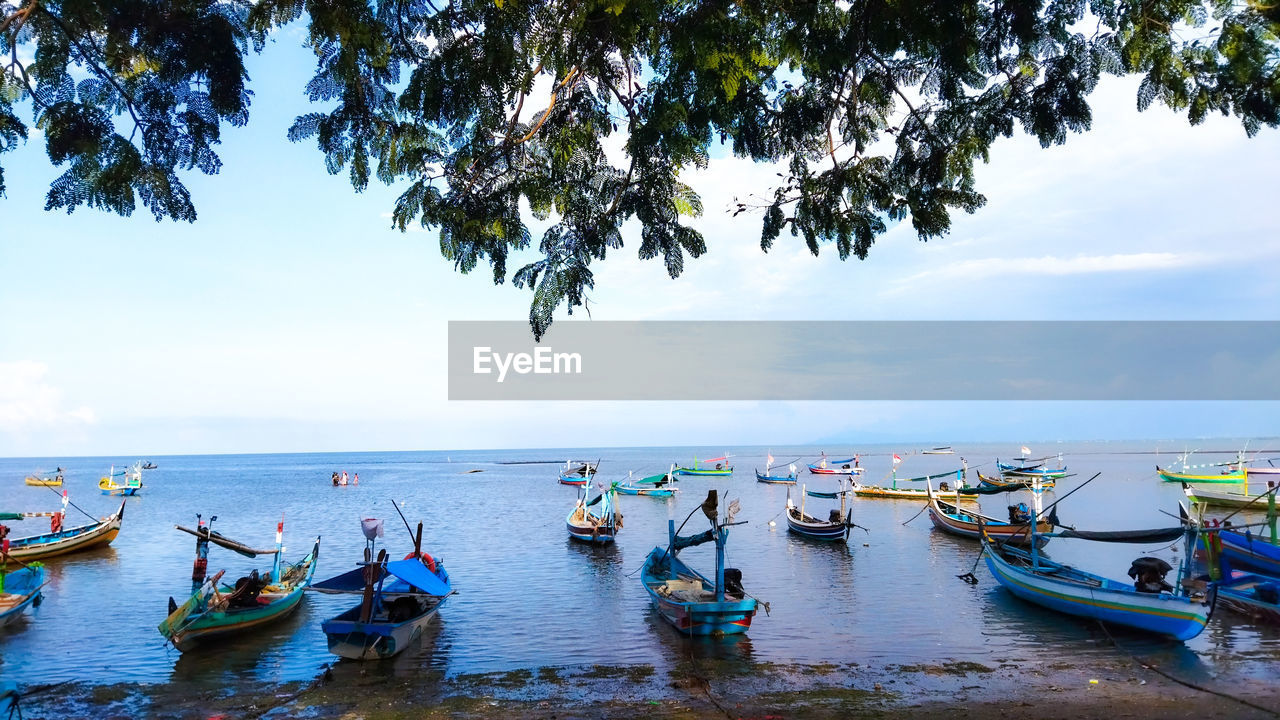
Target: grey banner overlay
[{"x": 926, "y": 360}]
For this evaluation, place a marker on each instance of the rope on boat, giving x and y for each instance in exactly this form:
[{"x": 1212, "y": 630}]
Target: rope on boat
[{"x": 1180, "y": 681}]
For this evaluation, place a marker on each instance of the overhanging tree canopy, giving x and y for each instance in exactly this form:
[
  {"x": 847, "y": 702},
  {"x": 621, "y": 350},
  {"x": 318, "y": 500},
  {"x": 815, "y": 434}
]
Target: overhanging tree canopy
[{"x": 878, "y": 108}]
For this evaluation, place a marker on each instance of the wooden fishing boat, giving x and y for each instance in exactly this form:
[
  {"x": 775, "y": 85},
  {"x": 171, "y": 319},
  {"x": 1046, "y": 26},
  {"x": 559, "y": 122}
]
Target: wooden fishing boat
[
  {"x": 1063, "y": 588},
  {"x": 1185, "y": 477},
  {"x": 944, "y": 450},
  {"x": 129, "y": 484},
  {"x": 1254, "y": 596},
  {"x": 836, "y": 467},
  {"x": 62, "y": 540},
  {"x": 1247, "y": 551},
  {"x": 1032, "y": 471},
  {"x": 215, "y": 611},
  {"x": 1013, "y": 482},
  {"x": 662, "y": 485},
  {"x": 950, "y": 518},
  {"x": 1223, "y": 497},
  {"x": 722, "y": 467},
  {"x": 595, "y": 526},
  {"x": 775, "y": 479},
  {"x": 150, "y": 466},
  {"x": 577, "y": 474},
  {"x": 43, "y": 482},
  {"x": 893, "y": 492},
  {"x": 693, "y": 604},
  {"x": 399, "y": 600},
  {"x": 835, "y": 527},
  {"x": 19, "y": 590}
]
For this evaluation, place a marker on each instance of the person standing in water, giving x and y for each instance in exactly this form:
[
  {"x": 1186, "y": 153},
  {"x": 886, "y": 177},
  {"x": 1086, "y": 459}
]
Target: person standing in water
[
  {"x": 344, "y": 477},
  {"x": 355, "y": 479}
]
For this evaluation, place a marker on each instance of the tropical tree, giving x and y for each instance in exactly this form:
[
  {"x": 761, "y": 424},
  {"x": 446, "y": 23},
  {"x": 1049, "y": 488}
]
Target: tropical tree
[{"x": 583, "y": 114}]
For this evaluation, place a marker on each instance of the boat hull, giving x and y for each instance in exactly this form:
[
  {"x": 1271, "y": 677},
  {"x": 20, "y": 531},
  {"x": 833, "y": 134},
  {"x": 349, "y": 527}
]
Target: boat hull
[
  {"x": 945, "y": 517},
  {"x": 873, "y": 491},
  {"x": 1224, "y": 479},
  {"x": 21, "y": 591},
  {"x": 834, "y": 471},
  {"x": 702, "y": 471},
  {"x": 815, "y": 530},
  {"x": 70, "y": 540},
  {"x": 1162, "y": 614},
  {"x": 38, "y": 482},
  {"x": 775, "y": 479},
  {"x": 701, "y": 618},
  {"x": 1250, "y": 552},
  {"x": 349, "y": 638},
  {"x": 1223, "y": 498},
  {"x": 649, "y": 492},
  {"x": 598, "y": 535},
  {"x": 1240, "y": 594}
]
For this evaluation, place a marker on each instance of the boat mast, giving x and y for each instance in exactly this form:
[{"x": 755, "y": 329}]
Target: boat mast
[
  {"x": 1036, "y": 507},
  {"x": 201, "y": 564},
  {"x": 720, "y": 534}
]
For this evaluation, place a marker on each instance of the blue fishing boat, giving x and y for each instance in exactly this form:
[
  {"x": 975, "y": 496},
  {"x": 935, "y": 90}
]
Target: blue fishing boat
[
  {"x": 663, "y": 486},
  {"x": 770, "y": 479},
  {"x": 61, "y": 540},
  {"x": 1037, "y": 470},
  {"x": 1247, "y": 551},
  {"x": 399, "y": 599},
  {"x": 1149, "y": 603},
  {"x": 835, "y": 527},
  {"x": 19, "y": 590},
  {"x": 693, "y": 604},
  {"x": 1250, "y": 594},
  {"x": 577, "y": 474},
  {"x": 595, "y": 525},
  {"x": 129, "y": 484}
]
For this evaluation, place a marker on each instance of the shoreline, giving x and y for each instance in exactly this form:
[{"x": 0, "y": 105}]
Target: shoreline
[{"x": 694, "y": 688}]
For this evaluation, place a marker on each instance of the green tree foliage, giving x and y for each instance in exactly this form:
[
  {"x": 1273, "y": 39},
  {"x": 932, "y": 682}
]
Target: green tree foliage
[{"x": 489, "y": 112}]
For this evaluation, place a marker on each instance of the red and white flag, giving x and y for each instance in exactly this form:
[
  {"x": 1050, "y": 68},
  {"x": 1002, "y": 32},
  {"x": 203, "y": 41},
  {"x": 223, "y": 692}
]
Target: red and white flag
[
  {"x": 1026, "y": 450},
  {"x": 770, "y": 461},
  {"x": 896, "y": 459}
]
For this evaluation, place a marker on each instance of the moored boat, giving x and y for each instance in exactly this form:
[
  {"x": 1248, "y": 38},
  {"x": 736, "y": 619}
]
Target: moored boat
[
  {"x": 1013, "y": 482},
  {"x": 577, "y": 474},
  {"x": 1247, "y": 551},
  {"x": 836, "y": 467},
  {"x": 130, "y": 481},
  {"x": 399, "y": 600},
  {"x": 1186, "y": 477},
  {"x": 835, "y": 527},
  {"x": 893, "y": 492},
  {"x": 61, "y": 540},
  {"x": 1226, "y": 497},
  {"x": 1032, "y": 471},
  {"x": 19, "y": 590},
  {"x": 950, "y": 518},
  {"x": 662, "y": 485},
  {"x": 595, "y": 525},
  {"x": 36, "y": 481},
  {"x": 769, "y": 479},
  {"x": 722, "y": 467},
  {"x": 690, "y": 602},
  {"x": 1252, "y": 595},
  {"x": 214, "y": 611}
]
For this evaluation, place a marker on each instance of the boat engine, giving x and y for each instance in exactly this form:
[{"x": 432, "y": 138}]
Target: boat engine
[
  {"x": 1019, "y": 513},
  {"x": 835, "y": 517},
  {"x": 733, "y": 582},
  {"x": 943, "y": 487},
  {"x": 247, "y": 590},
  {"x": 1148, "y": 574}
]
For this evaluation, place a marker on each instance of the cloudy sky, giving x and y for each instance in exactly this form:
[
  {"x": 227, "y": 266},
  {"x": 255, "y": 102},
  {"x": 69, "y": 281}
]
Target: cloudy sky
[{"x": 291, "y": 317}]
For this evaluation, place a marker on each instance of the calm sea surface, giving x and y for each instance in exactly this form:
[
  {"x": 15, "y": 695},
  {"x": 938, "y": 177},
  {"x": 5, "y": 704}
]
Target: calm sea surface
[{"x": 529, "y": 597}]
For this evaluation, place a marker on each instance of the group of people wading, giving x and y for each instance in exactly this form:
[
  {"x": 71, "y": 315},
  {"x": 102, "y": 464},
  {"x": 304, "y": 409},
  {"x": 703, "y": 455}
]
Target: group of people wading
[{"x": 341, "y": 478}]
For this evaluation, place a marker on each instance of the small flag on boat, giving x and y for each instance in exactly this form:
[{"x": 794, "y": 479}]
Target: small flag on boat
[
  {"x": 770, "y": 460},
  {"x": 896, "y": 459},
  {"x": 371, "y": 527},
  {"x": 1026, "y": 450}
]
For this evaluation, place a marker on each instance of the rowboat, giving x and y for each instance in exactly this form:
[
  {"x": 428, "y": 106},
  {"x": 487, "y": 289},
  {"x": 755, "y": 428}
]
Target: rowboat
[
  {"x": 399, "y": 599},
  {"x": 1149, "y": 604},
  {"x": 595, "y": 526},
  {"x": 215, "y": 611},
  {"x": 43, "y": 482},
  {"x": 835, "y": 527},
  {"x": 129, "y": 484},
  {"x": 693, "y": 604},
  {"x": 950, "y": 518},
  {"x": 62, "y": 540},
  {"x": 19, "y": 590},
  {"x": 721, "y": 468},
  {"x": 836, "y": 467}
]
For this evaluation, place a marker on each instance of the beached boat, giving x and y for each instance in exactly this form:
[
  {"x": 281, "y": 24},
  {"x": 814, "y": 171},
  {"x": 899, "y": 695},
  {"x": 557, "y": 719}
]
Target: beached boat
[
  {"x": 55, "y": 481},
  {"x": 595, "y": 525},
  {"x": 61, "y": 540},
  {"x": 129, "y": 483},
  {"x": 399, "y": 599},
  {"x": 214, "y": 611},
  {"x": 824, "y": 466},
  {"x": 19, "y": 590},
  {"x": 947, "y": 516},
  {"x": 693, "y": 604},
  {"x": 835, "y": 527},
  {"x": 722, "y": 467},
  {"x": 1149, "y": 603}
]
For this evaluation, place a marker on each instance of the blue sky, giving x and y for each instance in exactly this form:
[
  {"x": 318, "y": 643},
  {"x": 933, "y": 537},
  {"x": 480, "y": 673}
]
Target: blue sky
[{"x": 291, "y": 317}]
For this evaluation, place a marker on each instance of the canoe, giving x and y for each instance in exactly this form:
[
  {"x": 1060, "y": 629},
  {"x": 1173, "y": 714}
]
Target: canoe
[
  {"x": 965, "y": 523},
  {"x": 214, "y": 611},
  {"x": 775, "y": 479},
  {"x": 1220, "y": 479},
  {"x": 1067, "y": 590},
  {"x": 686, "y": 599},
  {"x": 19, "y": 590},
  {"x": 1246, "y": 551},
  {"x": 43, "y": 482},
  {"x": 68, "y": 540}
]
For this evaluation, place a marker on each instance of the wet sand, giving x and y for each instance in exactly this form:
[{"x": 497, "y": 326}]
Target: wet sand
[{"x": 703, "y": 688}]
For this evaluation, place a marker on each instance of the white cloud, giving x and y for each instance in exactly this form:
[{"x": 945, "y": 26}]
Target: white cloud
[
  {"x": 1050, "y": 265},
  {"x": 28, "y": 402}
]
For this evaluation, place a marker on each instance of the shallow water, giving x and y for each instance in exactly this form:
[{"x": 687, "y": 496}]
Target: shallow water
[{"x": 528, "y": 596}]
